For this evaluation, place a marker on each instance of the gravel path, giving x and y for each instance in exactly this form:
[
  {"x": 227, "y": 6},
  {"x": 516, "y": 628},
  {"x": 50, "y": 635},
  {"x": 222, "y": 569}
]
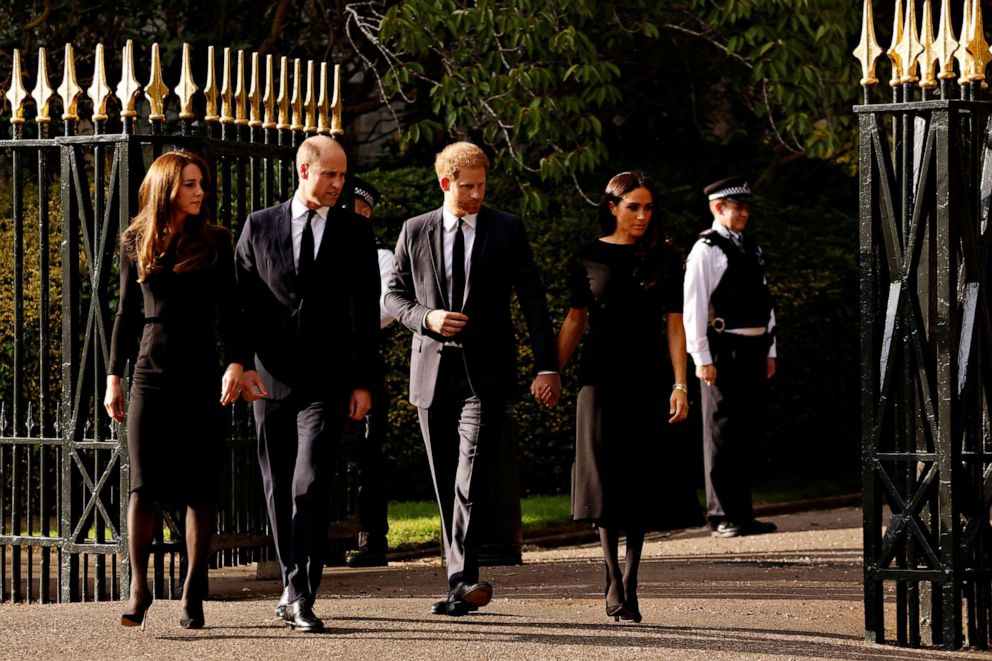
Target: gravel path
[{"x": 795, "y": 594}]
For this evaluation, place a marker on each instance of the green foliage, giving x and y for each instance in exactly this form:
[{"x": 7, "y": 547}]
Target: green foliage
[{"x": 519, "y": 74}]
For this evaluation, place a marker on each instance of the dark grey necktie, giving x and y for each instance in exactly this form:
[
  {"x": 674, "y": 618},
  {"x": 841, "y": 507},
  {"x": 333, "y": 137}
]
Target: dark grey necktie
[
  {"x": 458, "y": 270},
  {"x": 305, "y": 269}
]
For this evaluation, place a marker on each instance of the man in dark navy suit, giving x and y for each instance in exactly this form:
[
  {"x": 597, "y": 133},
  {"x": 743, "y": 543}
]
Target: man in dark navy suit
[
  {"x": 308, "y": 278},
  {"x": 455, "y": 271}
]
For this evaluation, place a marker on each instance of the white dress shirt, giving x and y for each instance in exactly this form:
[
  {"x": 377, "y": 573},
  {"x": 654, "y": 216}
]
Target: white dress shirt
[
  {"x": 703, "y": 270},
  {"x": 386, "y": 261},
  {"x": 468, "y": 232},
  {"x": 299, "y": 212}
]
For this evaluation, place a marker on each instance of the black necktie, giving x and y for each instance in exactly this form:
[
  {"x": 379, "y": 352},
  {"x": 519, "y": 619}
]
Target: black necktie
[
  {"x": 458, "y": 270},
  {"x": 306, "y": 252}
]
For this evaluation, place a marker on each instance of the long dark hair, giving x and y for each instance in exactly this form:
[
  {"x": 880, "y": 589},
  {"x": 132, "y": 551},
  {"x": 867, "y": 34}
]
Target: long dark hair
[
  {"x": 147, "y": 240},
  {"x": 653, "y": 249}
]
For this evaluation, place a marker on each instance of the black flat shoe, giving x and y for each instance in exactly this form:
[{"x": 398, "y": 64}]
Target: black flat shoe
[
  {"x": 367, "y": 556},
  {"x": 137, "y": 618},
  {"x": 191, "y": 616}
]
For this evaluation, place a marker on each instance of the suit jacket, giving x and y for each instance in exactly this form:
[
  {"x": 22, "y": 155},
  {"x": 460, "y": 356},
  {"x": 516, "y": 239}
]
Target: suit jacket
[
  {"x": 501, "y": 263},
  {"x": 326, "y": 341}
]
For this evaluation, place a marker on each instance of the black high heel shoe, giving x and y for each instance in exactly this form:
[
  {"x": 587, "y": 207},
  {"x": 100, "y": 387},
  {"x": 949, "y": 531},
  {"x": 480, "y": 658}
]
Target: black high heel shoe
[
  {"x": 618, "y": 612},
  {"x": 633, "y": 611},
  {"x": 191, "y": 616},
  {"x": 137, "y": 618}
]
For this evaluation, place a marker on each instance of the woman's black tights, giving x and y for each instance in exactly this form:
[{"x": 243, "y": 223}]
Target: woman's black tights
[{"x": 621, "y": 586}]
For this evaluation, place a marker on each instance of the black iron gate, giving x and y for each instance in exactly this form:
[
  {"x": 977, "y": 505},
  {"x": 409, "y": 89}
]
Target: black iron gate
[
  {"x": 63, "y": 464},
  {"x": 926, "y": 192}
]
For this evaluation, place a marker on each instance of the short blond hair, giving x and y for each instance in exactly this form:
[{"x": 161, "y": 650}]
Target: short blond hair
[{"x": 458, "y": 155}]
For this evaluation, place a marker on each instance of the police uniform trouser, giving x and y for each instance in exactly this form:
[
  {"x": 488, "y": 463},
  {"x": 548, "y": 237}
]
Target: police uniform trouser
[{"x": 733, "y": 409}]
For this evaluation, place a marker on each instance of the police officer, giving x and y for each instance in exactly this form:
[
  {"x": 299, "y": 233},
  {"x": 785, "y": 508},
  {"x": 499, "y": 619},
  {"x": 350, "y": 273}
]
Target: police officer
[
  {"x": 372, "y": 503},
  {"x": 729, "y": 323}
]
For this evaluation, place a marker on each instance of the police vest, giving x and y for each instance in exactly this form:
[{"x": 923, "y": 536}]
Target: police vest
[{"x": 741, "y": 299}]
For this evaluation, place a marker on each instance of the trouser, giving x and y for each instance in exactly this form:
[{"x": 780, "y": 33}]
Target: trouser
[
  {"x": 372, "y": 497},
  {"x": 733, "y": 409},
  {"x": 460, "y": 433},
  {"x": 295, "y": 439}
]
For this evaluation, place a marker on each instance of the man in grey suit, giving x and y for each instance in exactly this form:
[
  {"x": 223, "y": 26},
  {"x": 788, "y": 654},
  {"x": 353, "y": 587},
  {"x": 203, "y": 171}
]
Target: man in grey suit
[{"x": 455, "y": 271}]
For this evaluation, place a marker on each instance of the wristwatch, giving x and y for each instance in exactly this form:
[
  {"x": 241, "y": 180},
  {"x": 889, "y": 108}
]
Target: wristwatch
[{"x": 681, "y": 386}]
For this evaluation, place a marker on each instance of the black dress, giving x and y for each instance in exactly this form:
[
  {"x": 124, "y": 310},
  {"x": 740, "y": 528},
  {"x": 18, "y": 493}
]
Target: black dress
[
  {"x": 175, "y": 423},
  {"x": 624, "y": 474}
]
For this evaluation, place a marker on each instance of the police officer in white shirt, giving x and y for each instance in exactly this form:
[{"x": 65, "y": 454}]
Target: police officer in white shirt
[
  {"x": 372, "y": 500},
  {"x": 729, "y": 324}
]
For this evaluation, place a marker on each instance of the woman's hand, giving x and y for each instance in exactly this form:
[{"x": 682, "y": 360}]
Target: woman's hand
[
  {"x": 113, "y": 401},
  {"x": 230, "y": 384},
  {"x": 678, "y": 406}
]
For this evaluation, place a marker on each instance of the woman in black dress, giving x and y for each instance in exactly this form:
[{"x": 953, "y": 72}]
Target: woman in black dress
[
  {"x": 177, "y": 283},
  {"x": 627, "y": 289}
]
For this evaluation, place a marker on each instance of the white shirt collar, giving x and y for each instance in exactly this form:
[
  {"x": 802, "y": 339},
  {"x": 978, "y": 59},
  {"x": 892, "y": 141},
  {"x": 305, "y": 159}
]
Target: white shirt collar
[
  {"x": 299, "y": 210},
  {"x": 725, "y": 231},
  {"x": 450, "y": 219}
]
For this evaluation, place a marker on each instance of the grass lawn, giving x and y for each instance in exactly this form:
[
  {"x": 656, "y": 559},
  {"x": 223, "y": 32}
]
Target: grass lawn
[{"x": 415, "y": 523}]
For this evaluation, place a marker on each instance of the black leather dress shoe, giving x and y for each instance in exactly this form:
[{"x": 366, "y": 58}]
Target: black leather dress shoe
[
  {"x": 463, "y": 599},
  {"x": 299, "y": 616},
  {"x": 281, "y": 606},
  {"x": 366, "y": 556}
]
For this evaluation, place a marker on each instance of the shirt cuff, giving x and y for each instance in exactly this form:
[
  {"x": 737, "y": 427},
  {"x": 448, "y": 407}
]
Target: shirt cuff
[{"x": 702, "y": 358}]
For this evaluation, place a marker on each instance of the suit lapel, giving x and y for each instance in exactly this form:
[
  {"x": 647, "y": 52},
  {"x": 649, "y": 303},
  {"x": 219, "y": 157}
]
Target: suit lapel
[
  {"x": 435, "y": 232},
  {"x": 284, "y": 243},
  {"x": 482, "y": 227}
]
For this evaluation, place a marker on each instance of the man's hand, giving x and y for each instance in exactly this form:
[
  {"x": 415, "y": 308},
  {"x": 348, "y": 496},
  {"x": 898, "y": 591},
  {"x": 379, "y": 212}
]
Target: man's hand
[
  {"x": 706, "y": 373},
  {"x": 252, "y": 387},
  {"x": 546, "y": 389},
  {"x": 113, "y": 401},
  {"x": 771, "y": 367},
  {"x": 230, "y": 384},
  {"x": 361, "y": 402},
  {"x": 678, "y": 406},
  {"x": 447, "y": 324}
]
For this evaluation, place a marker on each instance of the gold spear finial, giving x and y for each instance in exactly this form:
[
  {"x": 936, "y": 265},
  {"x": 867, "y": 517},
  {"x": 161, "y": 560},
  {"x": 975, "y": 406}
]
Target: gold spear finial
[
  {"x": 928, "y": 58},
  {"x": 227, "y": 91},
  {"x": 69, "y": 90},
  {"x": 868, "y": 49},
  {"x": 337, "y": 105},
  {"x": 910, "y": 47},
  {"x": 310, "y": 104},
  {"x": 42, "y": 90},
  {"x": 269, "y": 100},
  {"x": 254, "y": 95},
  {"x": 17, "y": 95},
  {"x": 283, "y": 100},
  {"x": 186, "y": 87},
  {"x": 323, "y": 105},
  {"x": 966, "y": 61},
  {"x": 156, "y": 90},
  {"x": 99, "y": 91},
  {"x": 946, "y": 43},
  {"x": 240, "y": 95},
  {"x": 977, "y": 46},
  {"x": 296, "y": 102},
  {"x": 128, "y": 88},
  {"x": 210, "y": 91},
  {"x": 893, "y": 52}
]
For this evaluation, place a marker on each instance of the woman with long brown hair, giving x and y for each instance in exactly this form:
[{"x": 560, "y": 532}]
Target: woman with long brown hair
[
  {"x": 177, "y": 287},
  {"x": 626, "y": 288}
]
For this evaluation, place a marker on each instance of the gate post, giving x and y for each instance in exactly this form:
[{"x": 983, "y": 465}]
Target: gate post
[{"x": 925, "y": 162}]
